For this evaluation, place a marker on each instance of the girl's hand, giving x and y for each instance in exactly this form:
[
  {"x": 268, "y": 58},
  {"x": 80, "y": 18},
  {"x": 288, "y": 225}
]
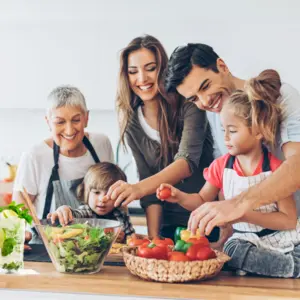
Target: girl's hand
[
  {"x": 63, "y": 214},
  {"x": 167, "y": 192},
  {"x": 123, "y": 193}
]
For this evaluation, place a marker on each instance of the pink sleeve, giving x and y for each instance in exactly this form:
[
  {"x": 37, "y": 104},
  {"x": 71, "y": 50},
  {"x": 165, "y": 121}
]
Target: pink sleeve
[{"x": 214, "y": 173}]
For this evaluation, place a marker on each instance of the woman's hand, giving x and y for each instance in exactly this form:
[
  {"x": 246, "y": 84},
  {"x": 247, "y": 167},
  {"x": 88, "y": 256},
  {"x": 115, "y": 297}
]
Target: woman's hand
[
  {"x": 123, "y": 193},
  {"x": 63, "y": 214},
  {"x": 167, "y": 192}
]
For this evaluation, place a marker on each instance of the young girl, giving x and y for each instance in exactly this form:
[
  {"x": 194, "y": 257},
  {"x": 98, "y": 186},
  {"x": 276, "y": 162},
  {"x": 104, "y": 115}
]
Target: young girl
[
  {"x": 92, "y": 191},
  {"x": 267, "y": 239}
]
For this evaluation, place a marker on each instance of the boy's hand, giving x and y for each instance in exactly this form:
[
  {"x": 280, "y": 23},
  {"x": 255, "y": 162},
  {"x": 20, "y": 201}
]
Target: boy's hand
[
  {"x": 63, "y": 214},
  {"x": 120, "y": 238},
  {"x": 167, "y": 192}
]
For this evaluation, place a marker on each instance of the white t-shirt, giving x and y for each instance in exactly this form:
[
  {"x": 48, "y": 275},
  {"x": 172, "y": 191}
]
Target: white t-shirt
[
  {"x": 152, "y": 133},
  {"x": 289, "y": 127},
  {"x": 36, "y": 165}
]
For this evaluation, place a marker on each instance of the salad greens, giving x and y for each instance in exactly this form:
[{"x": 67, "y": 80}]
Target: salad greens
[{"x": 78, "y": 247}]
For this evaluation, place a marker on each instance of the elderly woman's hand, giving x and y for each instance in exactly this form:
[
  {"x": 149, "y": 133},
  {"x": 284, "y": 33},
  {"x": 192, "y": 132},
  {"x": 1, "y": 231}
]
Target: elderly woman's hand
[{"x": 123, "y": 193}]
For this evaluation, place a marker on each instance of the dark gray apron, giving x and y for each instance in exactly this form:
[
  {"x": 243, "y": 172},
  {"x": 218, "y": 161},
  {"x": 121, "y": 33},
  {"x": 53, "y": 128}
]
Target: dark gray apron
[{"x": 64, "y": 190}]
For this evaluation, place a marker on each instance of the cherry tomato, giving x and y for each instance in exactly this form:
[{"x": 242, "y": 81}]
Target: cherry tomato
[{"x": 165, "y": 193}]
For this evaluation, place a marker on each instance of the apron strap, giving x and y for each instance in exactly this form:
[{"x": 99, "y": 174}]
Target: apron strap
[
  {"x": 55, "y": 176},
  {"x": 266, "y": 161},
  {"x": 266, "y": 167},
  {"x": 261, "y": 233},
  {"x": 89, "y": 146}
]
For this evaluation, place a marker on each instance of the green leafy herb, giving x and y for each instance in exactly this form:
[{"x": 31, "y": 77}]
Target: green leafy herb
[
  {"x": 8, "y": 246},
  {"x": 23, "y": 213},
  {"x": 12, "y": 266}
]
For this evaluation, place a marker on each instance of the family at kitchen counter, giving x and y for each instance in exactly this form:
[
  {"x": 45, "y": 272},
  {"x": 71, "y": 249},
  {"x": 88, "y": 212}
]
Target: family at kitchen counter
[{"x": 194, "y": 127}]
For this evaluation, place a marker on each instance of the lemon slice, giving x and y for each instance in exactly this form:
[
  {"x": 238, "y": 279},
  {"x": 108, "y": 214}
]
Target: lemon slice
[
  {"x": 2, "y": 237},
  {"x": 7, "y": 213}
]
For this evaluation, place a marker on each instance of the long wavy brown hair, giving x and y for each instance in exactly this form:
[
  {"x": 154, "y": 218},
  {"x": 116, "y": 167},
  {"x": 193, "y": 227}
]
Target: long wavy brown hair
[{"x": 169, "y": 104}]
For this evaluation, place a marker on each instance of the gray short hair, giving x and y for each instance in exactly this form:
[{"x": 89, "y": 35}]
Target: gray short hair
[{"x": 66, "y": 95}]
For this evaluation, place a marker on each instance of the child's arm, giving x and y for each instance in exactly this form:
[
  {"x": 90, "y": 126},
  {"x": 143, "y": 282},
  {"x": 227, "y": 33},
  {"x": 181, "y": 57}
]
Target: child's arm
[
  {"x": 284, "y": 219},
  {"x": 190, "y": 202}
]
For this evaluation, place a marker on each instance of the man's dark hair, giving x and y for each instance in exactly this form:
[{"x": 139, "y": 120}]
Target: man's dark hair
[{"x": 182, "y": 60}]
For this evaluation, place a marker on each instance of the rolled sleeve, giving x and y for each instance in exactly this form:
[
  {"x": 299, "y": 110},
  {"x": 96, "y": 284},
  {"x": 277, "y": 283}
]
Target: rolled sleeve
[
  {"x": 150, "y": 200},
  {"x": 193, "y": 135}
]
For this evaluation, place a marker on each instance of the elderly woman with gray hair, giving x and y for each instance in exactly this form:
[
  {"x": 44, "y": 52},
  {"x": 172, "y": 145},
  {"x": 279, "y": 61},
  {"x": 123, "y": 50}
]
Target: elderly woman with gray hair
[{"x": 52, "y": 169}]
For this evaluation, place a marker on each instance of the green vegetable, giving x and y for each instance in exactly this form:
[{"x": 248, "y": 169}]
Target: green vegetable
[
  {"x": 182, "y": 246},
  {"x": 8, "y": 246},
  {"x": 82, "y": 252},
  {"x": 177, "y": 233},
  {"x": 19, "y": 210}
]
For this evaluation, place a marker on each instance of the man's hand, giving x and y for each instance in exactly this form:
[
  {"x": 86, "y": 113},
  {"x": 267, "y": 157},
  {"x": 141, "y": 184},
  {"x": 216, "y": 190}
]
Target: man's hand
[{"x": 218, "y": 213}]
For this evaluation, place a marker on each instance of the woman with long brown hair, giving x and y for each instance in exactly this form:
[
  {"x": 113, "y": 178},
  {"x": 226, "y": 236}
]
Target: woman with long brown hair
[{"x": 170, "y": 139}]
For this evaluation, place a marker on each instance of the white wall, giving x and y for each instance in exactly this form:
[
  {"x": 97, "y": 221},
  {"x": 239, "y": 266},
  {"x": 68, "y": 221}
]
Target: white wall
[{"x": 51, "y": 42}]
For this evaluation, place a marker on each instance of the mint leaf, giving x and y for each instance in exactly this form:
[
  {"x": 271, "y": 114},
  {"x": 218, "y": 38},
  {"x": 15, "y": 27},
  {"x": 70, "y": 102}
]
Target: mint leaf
[
  {"x": 8, "y": 246},
  {"x": 23, "y": 213}
]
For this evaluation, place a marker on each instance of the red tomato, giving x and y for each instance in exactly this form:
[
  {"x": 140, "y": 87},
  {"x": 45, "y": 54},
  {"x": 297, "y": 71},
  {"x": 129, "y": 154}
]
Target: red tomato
[
  {"x": 137, "y": 242},
  {"x": 203, "y": 241},
  {"x": 163, "y": 241},
  {"x": 177, "y": 256},
  {"x": 165, "y": 193},
  {"x": 205, "y": 253}
]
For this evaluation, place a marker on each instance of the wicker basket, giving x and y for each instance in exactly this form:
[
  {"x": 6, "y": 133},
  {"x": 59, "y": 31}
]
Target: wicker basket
[{"x": 172, "y": 271}]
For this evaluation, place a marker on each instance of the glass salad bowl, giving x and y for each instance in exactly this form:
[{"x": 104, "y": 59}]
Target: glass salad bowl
[{"x": 81, "y": 246}]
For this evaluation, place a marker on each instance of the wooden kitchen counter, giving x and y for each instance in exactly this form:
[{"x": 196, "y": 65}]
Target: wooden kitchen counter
[{"x": 118, "y": 281}]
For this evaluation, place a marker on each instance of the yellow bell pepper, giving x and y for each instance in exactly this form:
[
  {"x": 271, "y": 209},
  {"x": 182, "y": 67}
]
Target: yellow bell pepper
[{"x": 186, "y": 234}]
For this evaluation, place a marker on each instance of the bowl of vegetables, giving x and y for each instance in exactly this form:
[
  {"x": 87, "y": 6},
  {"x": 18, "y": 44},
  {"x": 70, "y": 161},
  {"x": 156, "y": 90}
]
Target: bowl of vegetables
[{"x": 81, "y": 246}]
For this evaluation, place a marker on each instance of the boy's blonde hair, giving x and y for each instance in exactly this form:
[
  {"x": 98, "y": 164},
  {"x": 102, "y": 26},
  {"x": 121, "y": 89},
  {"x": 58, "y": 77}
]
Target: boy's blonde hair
[
  {"x": 99, "y": 177},
  {"x": 257, "y": 105}
]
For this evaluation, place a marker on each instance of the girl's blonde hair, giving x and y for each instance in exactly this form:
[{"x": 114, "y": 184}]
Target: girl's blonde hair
[
  {"x": 257, "y": 105},
  {"x": 169, "y": 105},
  {"x": 99, "y": 177}
]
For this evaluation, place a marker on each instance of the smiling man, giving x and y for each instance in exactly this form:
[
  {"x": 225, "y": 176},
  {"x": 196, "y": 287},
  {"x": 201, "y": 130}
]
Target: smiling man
[{"x": 197, "y": 73}]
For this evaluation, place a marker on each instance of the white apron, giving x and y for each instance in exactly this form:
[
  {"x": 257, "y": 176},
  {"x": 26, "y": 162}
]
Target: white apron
[{"x": 233, "y": 185}]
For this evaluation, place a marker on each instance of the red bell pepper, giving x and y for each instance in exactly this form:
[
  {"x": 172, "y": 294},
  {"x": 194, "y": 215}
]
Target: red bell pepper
[
  {"x": 153, "y": 251},
  {"x": 203, "y": 241},
  {"x": 199, "y": 252},
  {"x": 163, "y": 241}
]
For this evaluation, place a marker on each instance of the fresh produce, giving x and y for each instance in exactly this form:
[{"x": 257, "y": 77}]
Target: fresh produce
[
  {"x": 12, "y": 235},
  {"x": 182, "y": 246},
  {"x": 186, "y": 234},
  {"x": 186, "y": 248},
  {"x": 177, "y": 233},
  {"x": 12, "y": 171},
  {"x": 177, "y": 256},
  {"x": 165, "y": 193},
  {"x": 153, "y": 251},
  {"x": 136, "y": 242},
  {"x": 163, "y": 241},
  {"x": 78, "y": 248}
]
